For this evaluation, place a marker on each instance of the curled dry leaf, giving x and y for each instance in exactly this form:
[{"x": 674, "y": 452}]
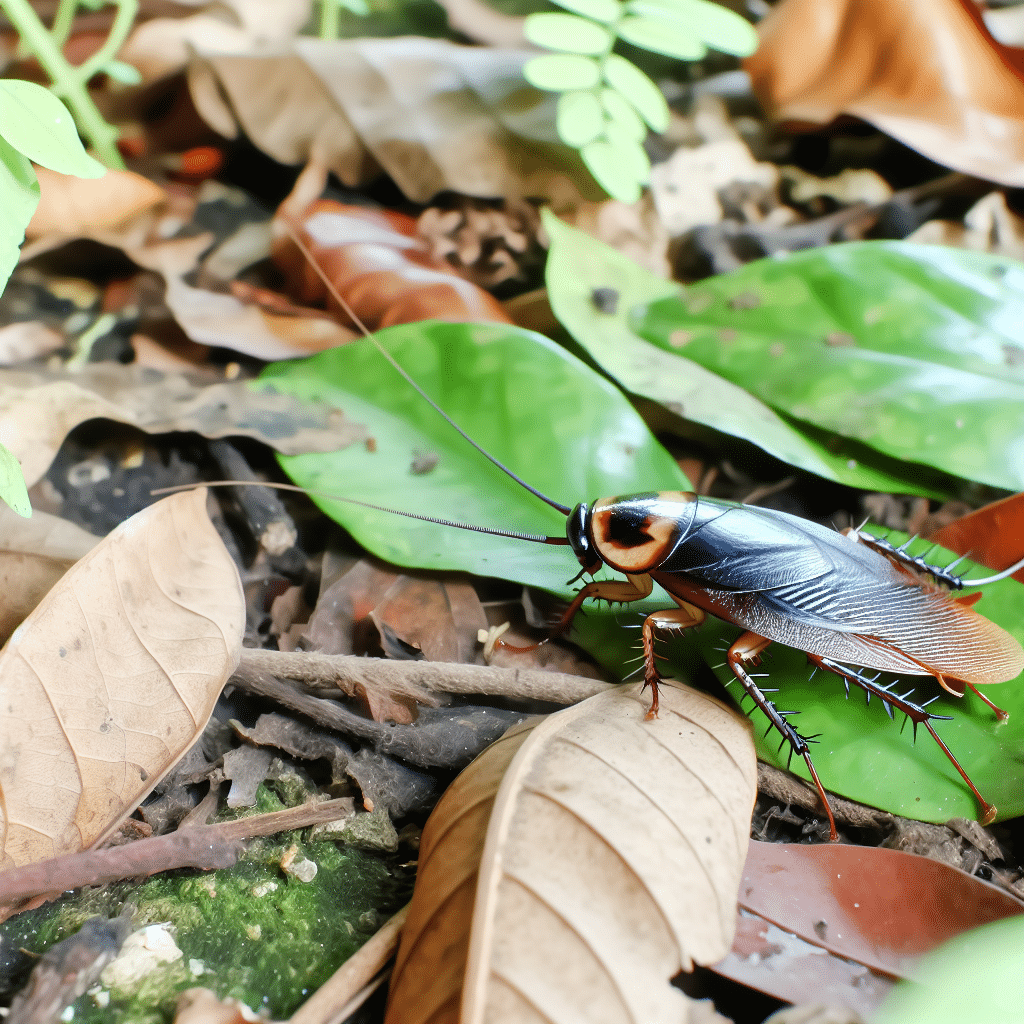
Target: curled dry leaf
[
  {"x": 993, "y": 535},
  {"x": 926, "y": 71},
  {"x": 79, "y": 206},
  {"x": 112, "y": 678},
  {"x": 382, "y": 270},
  {"x": 34, "y": 554},
  {"x": 39, "y": 408},
  {"x": 579, "y": 864},
  {"x": 433, "y": 115}
]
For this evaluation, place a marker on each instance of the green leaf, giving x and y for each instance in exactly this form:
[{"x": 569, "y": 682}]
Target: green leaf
[
  {"x": 715, "y": 25},
  {"x": 614, "y": 170},
  {"x": 19, "y": 197},
  {"x": 661, "y": 37},
  {"x": 865, "y": 756},
  {"x": 12, "y": 484},
  {"x": 561, "y": 72},
  {"x": 630, "y": 152},
  {"x": 914, "y": 350},
  {"x": 579, "y": 264},
  {"x": 622, "y": 114},
  {"x": 119, "y": 71},
  {"x": 37, "y": 124},
  {"x": 638, "y": 89},
  {"x": 580, "y": 119},
  {"x": 567, "y": 33},
  {"x": 607, "y": 11},
  {"x": 546, "y": 415},
  {"x": 979, "y": 970}
]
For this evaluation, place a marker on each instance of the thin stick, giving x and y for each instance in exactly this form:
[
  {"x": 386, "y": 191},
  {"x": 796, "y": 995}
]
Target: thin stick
[
  {"x": 413, "y": 678},
  {"x": 354, "y": 974}
]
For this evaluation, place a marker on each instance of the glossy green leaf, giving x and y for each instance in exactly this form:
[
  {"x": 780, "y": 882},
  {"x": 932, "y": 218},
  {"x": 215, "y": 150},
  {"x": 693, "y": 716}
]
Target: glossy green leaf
[
  {"x": 580, "y": 118},
  {"x": 12, "y": 484},
  {"x": 19, "y": 197},
  {"x": 614, "y": 170},
  {"x": 915, "y": 350},
  {"x": 607, "y": 11},
  {"x": 559, "y": 72},
  {"x": 662, "y": 37},
  {"x": 862, "y": 755},
  {"x": 563, "y": 427},
  {"x": 579, "y": 264},
  {"x": 638, "y": 89},
  {"x": 975, "y": 977},
  {"x": 623, "y": 114},
  {"x": 715, "y": 25},
  {"x": 567, "y": 33},
  {"x": 37, "y": 124}
]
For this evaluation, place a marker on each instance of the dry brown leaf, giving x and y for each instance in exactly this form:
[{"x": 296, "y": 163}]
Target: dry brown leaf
[
  {"x": 78, "y": 206},
  {"x": 579, "y": 864},
  {"x": 39, "y": 408},
  {"x": 161, "y": 46},
  {"x": 926, "y": 71},
  {"x": 432, "y": 114},
  {"x": 34, "y": 554},
  {"x": 112, "y": 678}
]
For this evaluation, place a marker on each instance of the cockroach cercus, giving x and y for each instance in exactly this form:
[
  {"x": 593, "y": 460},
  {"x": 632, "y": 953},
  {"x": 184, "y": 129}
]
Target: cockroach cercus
[{"x": 851, "y": 601}]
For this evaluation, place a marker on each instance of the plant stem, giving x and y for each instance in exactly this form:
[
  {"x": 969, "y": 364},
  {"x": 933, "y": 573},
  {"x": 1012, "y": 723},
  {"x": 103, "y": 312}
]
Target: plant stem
[
  {"x": 330, "y": 19},
  {"x": 69, "y": 83}
]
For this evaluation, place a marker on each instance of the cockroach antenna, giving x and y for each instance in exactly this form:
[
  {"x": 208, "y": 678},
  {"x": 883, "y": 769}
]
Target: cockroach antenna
[
  {"x": 336, "y": 295},
  {"x": 1009, "y": 571}
]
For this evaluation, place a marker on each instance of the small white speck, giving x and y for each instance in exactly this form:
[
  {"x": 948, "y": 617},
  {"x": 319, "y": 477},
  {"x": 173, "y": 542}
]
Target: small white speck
[
  {"x": 857, "y": 905},
  {"x": 851, "y": 463}
]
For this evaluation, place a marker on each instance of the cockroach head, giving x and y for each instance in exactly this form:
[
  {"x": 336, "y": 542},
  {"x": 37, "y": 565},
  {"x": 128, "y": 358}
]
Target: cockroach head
[{"x": 577, "y": 529}]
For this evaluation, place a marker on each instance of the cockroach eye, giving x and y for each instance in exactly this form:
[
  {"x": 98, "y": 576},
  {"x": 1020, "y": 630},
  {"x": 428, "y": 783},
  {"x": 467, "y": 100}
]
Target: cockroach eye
[{"x": 577, "y": 529}]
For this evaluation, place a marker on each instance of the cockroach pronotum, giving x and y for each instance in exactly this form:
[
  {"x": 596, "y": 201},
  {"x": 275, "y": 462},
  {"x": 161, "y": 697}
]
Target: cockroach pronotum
[{"x": 852, "y": 602}]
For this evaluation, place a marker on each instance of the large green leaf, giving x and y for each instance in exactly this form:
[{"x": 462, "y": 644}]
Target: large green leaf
[
  {"x": 562, "y": 427},
  {"x": 917, "y": 351},
  {"x": 865, "y": 756},
  {"x": 578, "y": 266},
  {"x": 19, "y": 197},
  {"x": 973, "y": 977}
]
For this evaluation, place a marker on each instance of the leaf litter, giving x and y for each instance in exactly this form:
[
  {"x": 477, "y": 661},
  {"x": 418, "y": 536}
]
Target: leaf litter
[{"x": 748, "y": 209}]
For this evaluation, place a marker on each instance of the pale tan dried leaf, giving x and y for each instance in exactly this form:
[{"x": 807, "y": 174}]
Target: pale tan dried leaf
[
  {"x": 27, "y": 339},
  {"x": 988, "y": 226},
  {"x": 928, "y": 72},
  {"x": 432, "y": 114},
  {"x": 112, "y": 678},
  {"x": 579, "y": 864},
  {"x": 202, "y": 1006},
  {"x": 70, "y": 205},
  {"x": 39, "y": 408},
  {"x": 34, "y": 554},
  {"x": 161, "y": 46}
]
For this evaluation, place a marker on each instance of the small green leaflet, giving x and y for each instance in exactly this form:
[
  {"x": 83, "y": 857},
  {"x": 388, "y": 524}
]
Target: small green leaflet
[
  {"x": 36, "y": 123},
  {"x": 636, "y": 87},
  {"x": 12, "y": 484},
  {"x": 19, "y": 197},
  {"x": 607, "y": 11},
  {"x": 567, "y": 33},
  {"x": 580, "y": 118},
  {"x": 558, "y": 72}
]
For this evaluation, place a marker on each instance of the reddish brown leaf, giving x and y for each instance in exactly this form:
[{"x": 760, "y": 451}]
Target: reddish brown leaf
[
  {"x": 992, "y": 535},
  {"x": 882, "y": 908},
  {"x": 926, "y": 71},
  {"x": 380, "y": 268}
]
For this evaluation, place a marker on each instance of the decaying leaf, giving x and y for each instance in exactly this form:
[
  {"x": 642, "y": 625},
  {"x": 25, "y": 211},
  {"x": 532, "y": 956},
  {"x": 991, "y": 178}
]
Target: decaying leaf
[
  {"x": 39, "y": 408},
  {"x": 34, "y": 554},
  {"x": 882, "y": 908},
  {"x": 431, "y": 114},
  {"x": 993, "y": 535},
  {"x": 579, "y": 864},
  {"x": 69, "y": 205},
  {"x": 926, "y": 71},
  {"x": 113, "y": 677}
]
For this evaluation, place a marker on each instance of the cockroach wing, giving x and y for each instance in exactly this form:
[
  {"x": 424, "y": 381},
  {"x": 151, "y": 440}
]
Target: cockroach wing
[{"x": 743, "y": 549}]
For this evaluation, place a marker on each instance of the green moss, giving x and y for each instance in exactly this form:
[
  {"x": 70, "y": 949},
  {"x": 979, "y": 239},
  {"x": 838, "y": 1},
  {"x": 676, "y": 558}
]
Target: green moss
[{"x": 261, "y": 936}]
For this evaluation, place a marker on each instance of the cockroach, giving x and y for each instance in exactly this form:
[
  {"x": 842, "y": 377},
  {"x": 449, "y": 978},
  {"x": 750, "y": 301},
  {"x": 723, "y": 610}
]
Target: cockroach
[{"x": 851, "y": 601}]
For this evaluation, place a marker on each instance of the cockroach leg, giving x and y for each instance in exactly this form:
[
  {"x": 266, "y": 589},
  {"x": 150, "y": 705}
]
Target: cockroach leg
[
  {"x": 915, "y": 712},
  {"x": 748, "y": 648},
  {"x": 1000, "y": 713},
  {"x": 668, "y": 621}
]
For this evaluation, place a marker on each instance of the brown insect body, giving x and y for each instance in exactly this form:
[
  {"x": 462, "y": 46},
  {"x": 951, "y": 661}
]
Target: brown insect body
[{"x": 788, "y": 580}]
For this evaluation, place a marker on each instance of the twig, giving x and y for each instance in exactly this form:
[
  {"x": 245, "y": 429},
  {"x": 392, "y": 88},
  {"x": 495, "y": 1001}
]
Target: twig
[
  {"x": 207, "y": 847},
  {"x": 792, "y": 790},
  {"x": 354, "y": 974},
  {"x": 415, "y": 679}
]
